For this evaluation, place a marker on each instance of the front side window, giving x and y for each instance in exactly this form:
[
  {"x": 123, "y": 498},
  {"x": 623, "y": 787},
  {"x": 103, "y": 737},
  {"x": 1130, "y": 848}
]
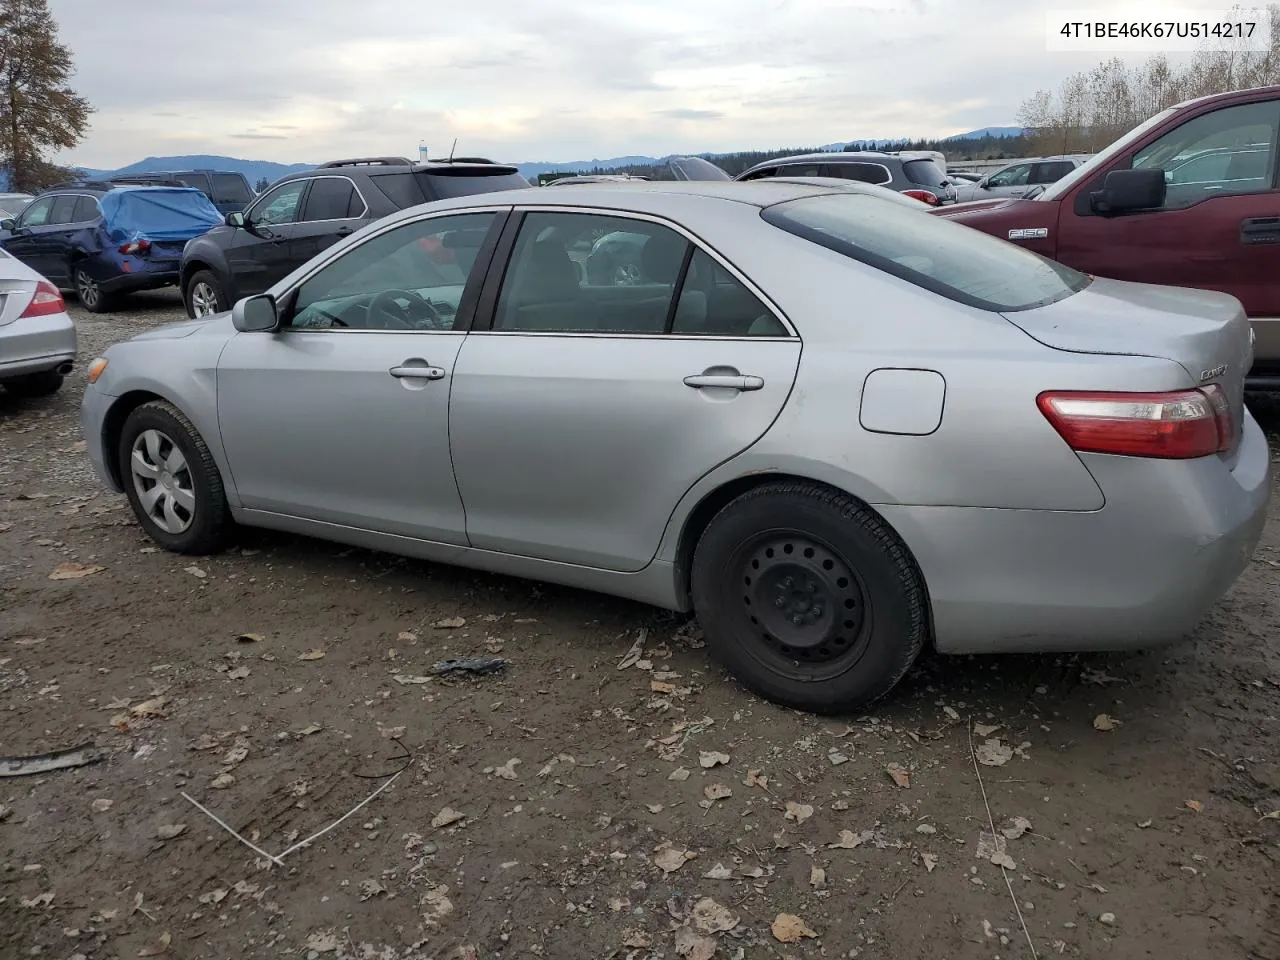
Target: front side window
[
  {"x": 280, "y": 205},
  {"x": 37, "y": 213},
  {"x": 1225, "y": 152},
  {"x": 946, "y": 258},
  {"x": 1015, "y": 176},
  {"x": 409, "y": 278}
]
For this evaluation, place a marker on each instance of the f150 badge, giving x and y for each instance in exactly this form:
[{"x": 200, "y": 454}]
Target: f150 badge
[
  {"x": 1029, "y": 233},
  {"x": 1217, "y": 371}
]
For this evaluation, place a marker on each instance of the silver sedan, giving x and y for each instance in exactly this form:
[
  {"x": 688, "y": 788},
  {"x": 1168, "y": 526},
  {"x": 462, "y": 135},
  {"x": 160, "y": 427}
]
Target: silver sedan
[
  {"x": 834, "y": 427},
  {"x": 37, "y": 338}
]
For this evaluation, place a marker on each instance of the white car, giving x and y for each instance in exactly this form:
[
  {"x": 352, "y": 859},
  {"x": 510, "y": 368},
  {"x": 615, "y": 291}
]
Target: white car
[
  {"x": 1019, "y": 178},
  {"x": 37, "y": 337}
]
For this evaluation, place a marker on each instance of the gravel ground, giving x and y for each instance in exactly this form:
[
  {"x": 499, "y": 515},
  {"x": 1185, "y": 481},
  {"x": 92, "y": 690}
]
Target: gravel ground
[{"x": 566, "y": 808}]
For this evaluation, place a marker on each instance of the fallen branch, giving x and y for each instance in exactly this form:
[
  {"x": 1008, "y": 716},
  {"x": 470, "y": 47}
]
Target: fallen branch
[{"x": 80, "y": 756}]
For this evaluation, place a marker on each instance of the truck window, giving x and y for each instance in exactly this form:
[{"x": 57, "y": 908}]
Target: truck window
[{"x": 1227, "y": 152}]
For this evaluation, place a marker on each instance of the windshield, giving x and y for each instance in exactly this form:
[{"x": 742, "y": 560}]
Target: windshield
[
  {"x": 446, "y": 184},
  {"x": 1086, "y": 170},
  {"x": 946, "y": 258}
]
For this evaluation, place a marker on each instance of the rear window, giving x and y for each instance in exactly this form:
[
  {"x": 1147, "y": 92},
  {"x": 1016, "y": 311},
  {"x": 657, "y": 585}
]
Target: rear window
[
  {"x": 230, "y": 188},
  {"x": 443, "y": 184},
  {"x": 400, "y": 188},
  {"x": 951, "y": 260},
  {"x": 197, "y": 180},
  {"x": 924, "y": 172}
]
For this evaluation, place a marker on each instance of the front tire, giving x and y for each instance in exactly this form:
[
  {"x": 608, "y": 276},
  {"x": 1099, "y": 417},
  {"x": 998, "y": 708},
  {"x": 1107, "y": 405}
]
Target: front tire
[
  {"x": 90, "y": 292},
  {"x": 35, "y": 384},
  {"x": 808, "y": 597},
  {"x": 204, "y": 296},
  {"x": 172, "y": 481}
]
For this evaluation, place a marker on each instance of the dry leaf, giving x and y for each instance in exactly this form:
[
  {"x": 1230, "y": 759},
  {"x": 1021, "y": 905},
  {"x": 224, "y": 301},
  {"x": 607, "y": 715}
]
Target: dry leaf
[
  {"x": 993, "y": 753},
  {"x": 817, "y": 877},
  {"x": 636, "y": 939},
  {"x": 436, "y": 905},
  {"x": 654, "y": 807},
  {"x": 213, "y": 897},
  {"x": 1004, "y": 860},
  {"x": 756, "y": 778},
  {"x": 899, "y": 774},
  {"x": 671, "y": 859},
  {"x": 1195, "y": 805},
  {"x": 370, "y": 889},
  {"x": 1104, "y": 722},
  {"x": 658, "y": 686},
  {"x": 799, "y": 812},
  {"x": 717, "y": 791},
  {"x": 710, "y": 758},
  {"x": 310, "y": 729},
  {"x": 984, "y": 729},
  {"x": 162, "y": 944},
  {"x": 447, "y": 817},
  {"x": 679, "y": 774},
  {"x": 170, "y": 830},
  {"x": 849, "y": 840},
  {"x": 450, "y": 623},
  {"x": 1273, "y": 815},
  {"x": 73, "y": 571},
  {"x": 235, "y": 755},
  {"x": 711, "y": 917},
  {"x": 930, "y": 861},
  {"x": 222, "y": 781},
  {"x": 788, "y": 928},
  {"x": 206, "y": 741},
  {"x": 718, "y": 872},
  {"x": 250, "y": 638},
  {"x": 43, "y": 900},
  {"x": 693, "y": 947},
  {"x": 1017, "y": 827},
  {"x": 312, "y": 655},
  {"x": 951, "y": 712},
  {"x": 101, "y": 805},
  {"x": 239, "y": 673},
  {"x": 150, "y": 708},
  {"x": 322, "y": 941},
  {"x": 508, "y": 770}
]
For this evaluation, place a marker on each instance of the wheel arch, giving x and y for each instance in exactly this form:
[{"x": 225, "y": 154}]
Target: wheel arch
[
  {"x": 113, "y": 426},
  {"x": 716, "y": 499}
]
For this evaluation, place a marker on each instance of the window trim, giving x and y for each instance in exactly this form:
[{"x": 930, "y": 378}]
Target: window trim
[
  {"x": 332, "y": 176},
  {"x": 470, "y": 301},
  {"x": 486, "y": 311}
]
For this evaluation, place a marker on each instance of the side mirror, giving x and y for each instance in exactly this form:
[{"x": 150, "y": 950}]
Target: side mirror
[
  {"x": 8, "y": 223},
  {"x": 1124, "y": 190},
  {"x": 235, "y": 219},
  {"x": 256, "y": 314}
]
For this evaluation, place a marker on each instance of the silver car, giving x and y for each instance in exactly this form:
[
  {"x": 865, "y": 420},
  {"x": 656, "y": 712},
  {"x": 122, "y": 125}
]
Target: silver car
[
  {"x": 836, "y": 428},
  {"x": 1020, "y": 178},
  {"x": 37, "y": 337}
]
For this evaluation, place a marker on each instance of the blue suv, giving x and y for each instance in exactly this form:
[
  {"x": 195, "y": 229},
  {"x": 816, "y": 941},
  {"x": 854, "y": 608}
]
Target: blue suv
[{"x": 104, "y": 240}]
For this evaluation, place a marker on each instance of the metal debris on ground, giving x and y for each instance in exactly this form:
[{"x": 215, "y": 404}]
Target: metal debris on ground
[
  {"x": 80, "y": 756},
  {"x": 476, "y": 666}
]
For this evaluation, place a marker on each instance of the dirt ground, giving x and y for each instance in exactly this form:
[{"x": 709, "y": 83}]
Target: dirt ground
[{"x": 566, "y": 808}]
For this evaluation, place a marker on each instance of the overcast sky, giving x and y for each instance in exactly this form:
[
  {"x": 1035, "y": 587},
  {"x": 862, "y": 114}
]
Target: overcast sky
[{"x": 310, "y": 80}]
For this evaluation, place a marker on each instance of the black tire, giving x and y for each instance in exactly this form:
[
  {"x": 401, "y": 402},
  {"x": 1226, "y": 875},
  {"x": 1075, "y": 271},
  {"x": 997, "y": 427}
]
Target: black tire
[
  {"x": 831, "y": 554},
  {"x": 209, "y": 280},
  {"x": 35, "y": 384},
  {"x": 209, "y": 523},
  {"x": 91, "y": 295}
]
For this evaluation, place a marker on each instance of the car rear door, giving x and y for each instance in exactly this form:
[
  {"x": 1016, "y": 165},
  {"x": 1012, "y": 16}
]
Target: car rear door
[
  {"x": 333, "y": 208},
  {"x": 1219, "y": 233},
  {"x": 582, "y": 412}
]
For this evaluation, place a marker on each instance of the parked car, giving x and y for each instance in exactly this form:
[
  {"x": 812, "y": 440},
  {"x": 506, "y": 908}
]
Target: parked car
[
  {"x": 11, "y": 204},
  {"x": 37, "y": 337},
  {"x": 917, "y": 177},
  {"x": 579, "y": 179},
  {"x": 103, "y": 240},
  {"x": 302, "y": 214},
  {"x": 981, "y": 449},
  {"x": 227, "y": 190},
  {"x": 1147, "y": 208},
  {"x": 1018, "y": 178}
]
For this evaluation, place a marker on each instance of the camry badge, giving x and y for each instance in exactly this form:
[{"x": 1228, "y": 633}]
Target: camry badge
[
  {"x": 1029, "y": 233},
  {"x": 1217, "y": 371}
]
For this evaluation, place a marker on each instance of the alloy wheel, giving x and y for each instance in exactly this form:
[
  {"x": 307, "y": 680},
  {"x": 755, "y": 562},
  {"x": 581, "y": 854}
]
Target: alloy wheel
[
  {"x": 87, "y": 290},
  {"x": 204, "y": 300}
]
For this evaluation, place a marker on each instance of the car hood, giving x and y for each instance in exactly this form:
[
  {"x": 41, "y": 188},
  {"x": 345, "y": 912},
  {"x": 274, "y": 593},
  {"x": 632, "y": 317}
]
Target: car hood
[
  {"x": 218, "y": 324},
  {"x": 980, "y": 208}
]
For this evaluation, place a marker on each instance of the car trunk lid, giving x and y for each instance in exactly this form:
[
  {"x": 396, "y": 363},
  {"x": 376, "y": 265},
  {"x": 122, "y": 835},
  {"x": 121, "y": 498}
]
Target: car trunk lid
[{"x": 1204, "y": 332}]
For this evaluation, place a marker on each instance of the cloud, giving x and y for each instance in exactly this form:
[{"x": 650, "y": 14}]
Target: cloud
[{"x": 515, "y": 80}]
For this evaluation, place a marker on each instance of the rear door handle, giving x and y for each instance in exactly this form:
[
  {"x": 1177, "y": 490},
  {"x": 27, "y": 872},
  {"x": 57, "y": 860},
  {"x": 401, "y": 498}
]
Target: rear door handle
[
  {"x": 724, "y": 381},
  {"x": 1260, "y": 230},
  {"x": 418, "y": 371}
]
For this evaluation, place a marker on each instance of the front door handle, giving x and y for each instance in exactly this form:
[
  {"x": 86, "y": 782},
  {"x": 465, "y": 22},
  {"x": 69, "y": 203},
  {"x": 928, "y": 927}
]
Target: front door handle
[
  {"x": 726, "y": 381},
  {"x": 1260, "y": 230},
  {"x": 417, "y": 370}
]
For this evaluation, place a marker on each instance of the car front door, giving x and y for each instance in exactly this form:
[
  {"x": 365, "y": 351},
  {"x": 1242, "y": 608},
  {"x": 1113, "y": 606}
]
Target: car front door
[
  {"x": 29, "y": 241},
  {"x": 333, "y": 208},
  {"x": 261, "y": 252},
  {"x": 342, "y": 416},
  {"x": 585, "y": 411},
  {"x": 1009, "y": 182},
  {"x": 1219, "y": 230}
]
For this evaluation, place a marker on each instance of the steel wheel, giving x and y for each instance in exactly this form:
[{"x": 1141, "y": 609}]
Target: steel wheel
[
  {"x": 204, "y": 300},
  {"x": 162, "y": 479},
  {"x": 807, "y": 610},
  {"x": 87, "y": 290}
]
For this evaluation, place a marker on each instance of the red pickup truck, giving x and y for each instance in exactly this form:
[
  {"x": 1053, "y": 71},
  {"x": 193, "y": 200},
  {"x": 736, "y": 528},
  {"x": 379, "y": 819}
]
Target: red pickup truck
[{"x": 1189, "y": 198}]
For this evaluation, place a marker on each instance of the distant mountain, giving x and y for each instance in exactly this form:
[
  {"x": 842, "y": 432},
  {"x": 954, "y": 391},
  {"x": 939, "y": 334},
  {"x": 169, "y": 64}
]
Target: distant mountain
[
  {"x": 253, "y": 170},
  {"x": 1000, "y": 133}
]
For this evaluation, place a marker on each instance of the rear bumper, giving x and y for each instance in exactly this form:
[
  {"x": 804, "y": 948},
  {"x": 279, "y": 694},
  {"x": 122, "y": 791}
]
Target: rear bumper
[
  {"x": 36, "y": 344},
  {"x": 148, "y": 279},
  {"x": 1141, "y": 572}
]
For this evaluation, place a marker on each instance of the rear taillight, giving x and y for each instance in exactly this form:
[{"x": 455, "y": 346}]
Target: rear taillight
[
  {"x": 925, "y": 196},
  {"x": 46, "y": 301},
  {"x": 140, "y": 247},
  {"x": 1177, "y": 425}
]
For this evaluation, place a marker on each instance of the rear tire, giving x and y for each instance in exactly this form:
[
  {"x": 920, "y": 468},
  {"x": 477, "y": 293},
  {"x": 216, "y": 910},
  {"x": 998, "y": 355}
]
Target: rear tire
[
  {"x": 89, "y": 292},
  {"x": 808, "y": 597},
  {"x": 35, "y": 384},
  {"x": 203, "y": 295},
  {"x": 172, "y": 481}
]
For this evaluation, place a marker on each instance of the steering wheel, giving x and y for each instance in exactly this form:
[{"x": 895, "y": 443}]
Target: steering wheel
[{"x": 400, "y": 317}]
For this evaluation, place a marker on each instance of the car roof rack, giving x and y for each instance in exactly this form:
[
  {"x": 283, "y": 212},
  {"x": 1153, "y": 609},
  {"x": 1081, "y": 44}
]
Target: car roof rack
[
  {"x": 81, "y": 184},
  {"x": 367, "y": 161}
]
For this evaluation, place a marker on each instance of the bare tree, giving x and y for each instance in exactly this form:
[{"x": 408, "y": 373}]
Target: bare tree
[{"x": 38, "y": 109}]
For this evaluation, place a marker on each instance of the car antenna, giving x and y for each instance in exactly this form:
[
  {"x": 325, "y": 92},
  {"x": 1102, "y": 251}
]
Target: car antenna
[{"x": 452, "y": 149}]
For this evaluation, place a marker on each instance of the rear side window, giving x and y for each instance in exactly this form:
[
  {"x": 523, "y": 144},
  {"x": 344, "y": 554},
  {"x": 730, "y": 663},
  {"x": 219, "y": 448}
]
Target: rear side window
[
  {"x": 86, "y": 209},
  {"x": 443, "y": 184},
  {"x": 332, "y": 198},
  {"x": 946, "y": 258},
  {"x": 1051, "y": 171},
  {"x": 862, "y": 172},
  {"x": 402, "y": 189},
  {"x": 197, "y": 180},
  {"x": 64, "y": 210},
  {"x": 761, "y": 174},
  {"x": 230, "y": 188},
  {"x": 926, "y": 173}
]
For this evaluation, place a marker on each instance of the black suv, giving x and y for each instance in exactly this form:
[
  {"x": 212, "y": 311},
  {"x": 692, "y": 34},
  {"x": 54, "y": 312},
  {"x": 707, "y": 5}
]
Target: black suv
[
  {"x": 229, "y": 191},
  {"x": 303, "y": 213}
]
